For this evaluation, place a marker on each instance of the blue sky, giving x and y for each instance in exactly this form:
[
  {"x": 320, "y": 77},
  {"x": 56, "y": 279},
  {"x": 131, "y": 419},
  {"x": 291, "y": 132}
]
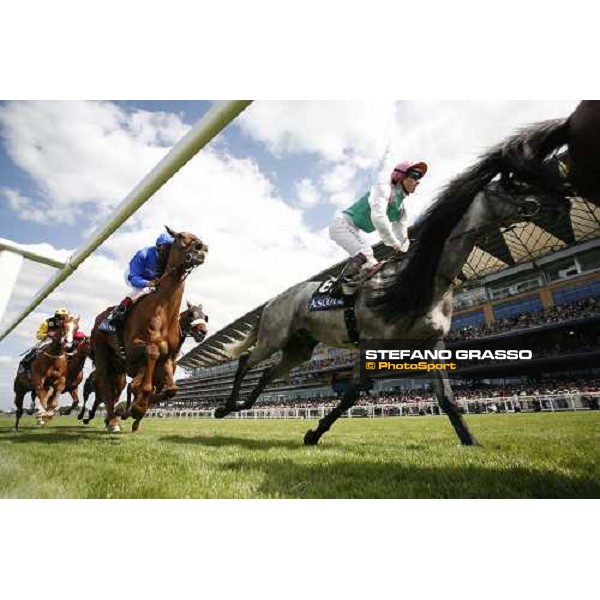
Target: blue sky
[{"x": 261, "y": 194}]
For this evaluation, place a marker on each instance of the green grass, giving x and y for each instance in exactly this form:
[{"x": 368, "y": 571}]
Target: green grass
[{"x": 522, "y": 456}]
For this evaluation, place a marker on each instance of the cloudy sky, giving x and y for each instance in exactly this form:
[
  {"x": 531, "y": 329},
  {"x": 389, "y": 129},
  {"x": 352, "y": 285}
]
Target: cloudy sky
[{"x": 261, "y": 194}]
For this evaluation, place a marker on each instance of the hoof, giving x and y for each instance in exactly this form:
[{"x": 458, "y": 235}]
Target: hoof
[
  {"x": 80, "y": 417},
  {"x": 221, "y": 411},
  {"x": 85, "y": 421},
  {"x": 121, "y": 410},
  {"x": 113, "y": 428},
  {"x": 311, "y": 438}
]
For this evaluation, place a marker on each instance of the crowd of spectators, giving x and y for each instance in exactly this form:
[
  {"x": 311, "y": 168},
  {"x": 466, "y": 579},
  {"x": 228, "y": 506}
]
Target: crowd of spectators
[
  {"x": 465, "y": 392},
  {"x": 556, "y": 314}
]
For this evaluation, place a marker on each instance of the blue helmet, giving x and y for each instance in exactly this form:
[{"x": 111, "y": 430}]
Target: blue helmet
[{"x": 164, "y": 238}]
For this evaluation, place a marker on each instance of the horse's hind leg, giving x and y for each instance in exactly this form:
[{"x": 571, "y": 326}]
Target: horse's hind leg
[
  {"x": 75, "y": 403},
  {"x": 298, "y": 350},
  {"x": 92, "y": 411},
  {"x": 31, "y": 409},
  {"x": 348, "y": 400},
  {"x": 443, "y": 390},
  {"x": 19, "y": 397}
]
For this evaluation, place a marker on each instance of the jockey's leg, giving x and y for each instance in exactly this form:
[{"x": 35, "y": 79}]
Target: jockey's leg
[
  {"x": 118, "y": 315},
  {"x": 343, "y": 232}
]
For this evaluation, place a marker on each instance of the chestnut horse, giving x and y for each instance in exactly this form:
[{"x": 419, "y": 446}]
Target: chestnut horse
[
  {"x": 47, "y": 373},
  {"x": 75, "y": 364},
  {"x": 192, "y": 322},
  {"x": 150, "y": 337}
]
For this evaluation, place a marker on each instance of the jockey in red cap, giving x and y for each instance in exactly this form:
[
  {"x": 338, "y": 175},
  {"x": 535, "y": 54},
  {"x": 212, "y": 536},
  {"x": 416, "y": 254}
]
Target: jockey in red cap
[{"x": 381, "y": 209}]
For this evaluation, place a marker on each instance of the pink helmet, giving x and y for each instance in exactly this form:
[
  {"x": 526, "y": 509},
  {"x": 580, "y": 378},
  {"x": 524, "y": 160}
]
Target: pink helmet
[{"x": 400, "y": 170}]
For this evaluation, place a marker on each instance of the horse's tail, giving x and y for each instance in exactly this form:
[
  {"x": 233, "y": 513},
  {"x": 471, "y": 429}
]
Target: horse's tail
[{"x": 237, "y": 347}]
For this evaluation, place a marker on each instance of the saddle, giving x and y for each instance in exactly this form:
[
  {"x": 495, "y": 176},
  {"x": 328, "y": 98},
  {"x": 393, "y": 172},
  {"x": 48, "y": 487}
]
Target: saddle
[{"x": 31, "y": 355}]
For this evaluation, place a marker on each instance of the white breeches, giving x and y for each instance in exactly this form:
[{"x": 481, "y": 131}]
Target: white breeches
[
  {"x": 135, "y": 293},
  {"x": 344, "y": 233}
]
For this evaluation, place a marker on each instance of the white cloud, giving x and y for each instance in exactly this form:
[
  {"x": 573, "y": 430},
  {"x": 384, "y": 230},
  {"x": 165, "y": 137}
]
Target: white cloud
[
  {"x": 337, "y": 131},
  {"x": 83, "y": 156},
  {"x": 307, "y": 193}
]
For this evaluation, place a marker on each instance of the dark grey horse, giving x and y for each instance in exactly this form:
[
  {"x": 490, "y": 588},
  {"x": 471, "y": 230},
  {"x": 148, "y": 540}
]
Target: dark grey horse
[{"x": 409, "y": 298}]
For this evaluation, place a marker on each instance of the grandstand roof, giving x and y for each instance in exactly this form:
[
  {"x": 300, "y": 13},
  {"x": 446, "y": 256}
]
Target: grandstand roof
[{"x": 502, "y": 248}]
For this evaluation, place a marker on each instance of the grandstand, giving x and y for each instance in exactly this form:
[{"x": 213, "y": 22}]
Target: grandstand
[{"x": 535, "y": 284}]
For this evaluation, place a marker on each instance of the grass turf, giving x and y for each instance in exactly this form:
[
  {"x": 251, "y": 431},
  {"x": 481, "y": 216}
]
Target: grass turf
[{"x": 522, "y": 456}]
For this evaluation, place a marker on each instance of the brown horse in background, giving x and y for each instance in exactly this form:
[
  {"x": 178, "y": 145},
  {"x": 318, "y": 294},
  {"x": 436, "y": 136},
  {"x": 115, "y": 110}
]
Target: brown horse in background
[
  {"x": 150, "y": 337},
  {"x": 75, "y": 364},
  {"x": 47, "y": 373},
  {"x": 192, "y": 322}
]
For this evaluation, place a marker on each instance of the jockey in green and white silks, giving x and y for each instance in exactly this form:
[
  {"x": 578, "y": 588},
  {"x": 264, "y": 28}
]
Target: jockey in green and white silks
[{"x": 381, "y": 209}]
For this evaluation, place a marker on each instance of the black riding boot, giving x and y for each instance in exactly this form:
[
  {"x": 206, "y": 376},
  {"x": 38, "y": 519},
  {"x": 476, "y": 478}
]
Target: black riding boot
[
  {"x": 27, "y": 360},
  {"x": 115, "y": 319},
  {"x": 350, "y": 274}
]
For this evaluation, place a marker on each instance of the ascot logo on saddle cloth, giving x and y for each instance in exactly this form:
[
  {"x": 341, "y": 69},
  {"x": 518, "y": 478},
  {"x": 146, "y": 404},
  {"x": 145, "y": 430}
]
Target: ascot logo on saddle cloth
[{"x": 321, "y": 300}]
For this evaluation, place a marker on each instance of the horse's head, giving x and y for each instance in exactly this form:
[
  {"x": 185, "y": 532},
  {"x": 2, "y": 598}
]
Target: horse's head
[
  {"x": 194, "y": 322},
  {"x": 509, "y": 201},
  {"x": 186, "y": 252},
  {"x": 68, "y": 329}
]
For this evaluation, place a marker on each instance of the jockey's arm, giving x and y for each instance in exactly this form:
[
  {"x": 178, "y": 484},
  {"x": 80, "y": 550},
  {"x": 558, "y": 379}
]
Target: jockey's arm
[
  {"x": 42, "y": 331},
  {"x": 136, "y": 268},
  {"x": 400, "y": 228},
  {"x": 378, "y": 201}
]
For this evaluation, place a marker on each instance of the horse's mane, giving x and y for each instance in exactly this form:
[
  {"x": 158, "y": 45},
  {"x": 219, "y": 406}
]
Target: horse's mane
[{"x": 412, "y": 290}]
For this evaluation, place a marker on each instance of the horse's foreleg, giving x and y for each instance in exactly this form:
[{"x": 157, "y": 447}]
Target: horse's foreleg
[
  {"x": 145, "y": 388},
  {"x": 53, "y": 398},
  {"x": 443, "y": 390},
  {"x": 42, "y": 398}
]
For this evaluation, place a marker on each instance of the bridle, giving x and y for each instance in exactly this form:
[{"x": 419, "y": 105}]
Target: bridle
[
  {"x": 190, "y": 262},
  {"x": 191, "y": 319},
  {"x": 526, "y": 208}
]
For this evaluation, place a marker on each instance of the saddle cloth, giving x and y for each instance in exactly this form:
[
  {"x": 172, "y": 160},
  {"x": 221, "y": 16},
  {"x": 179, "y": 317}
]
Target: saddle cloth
[{"x": 321, "y": 300}]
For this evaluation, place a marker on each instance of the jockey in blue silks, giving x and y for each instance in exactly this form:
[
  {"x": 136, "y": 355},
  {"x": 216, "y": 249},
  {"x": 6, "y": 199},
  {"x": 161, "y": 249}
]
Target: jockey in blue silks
[{"x": 142, "y": 275}]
